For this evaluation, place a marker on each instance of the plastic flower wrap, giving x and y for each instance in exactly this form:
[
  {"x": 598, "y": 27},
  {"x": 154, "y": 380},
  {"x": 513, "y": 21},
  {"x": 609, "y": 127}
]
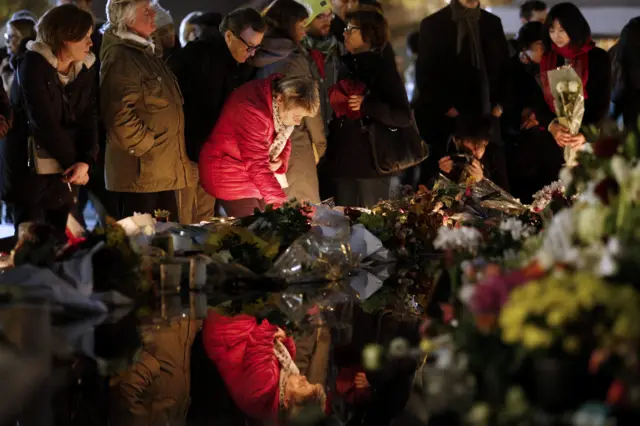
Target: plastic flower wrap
[
  {"x": 312, "y": 305},
  {"x": 568, "y": 97}
]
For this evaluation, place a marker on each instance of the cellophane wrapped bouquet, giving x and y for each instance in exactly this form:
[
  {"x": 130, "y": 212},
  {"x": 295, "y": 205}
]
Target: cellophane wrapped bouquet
[{"x": 568, "y": 96}]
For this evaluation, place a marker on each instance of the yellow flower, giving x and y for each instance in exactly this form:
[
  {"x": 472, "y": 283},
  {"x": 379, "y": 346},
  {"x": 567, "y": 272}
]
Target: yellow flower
[
  {"x": 571, "y": 344},
  {"x": 556, "y": 318},
  {"x": 512, "y": 315},
  {"x": 536, "y": 338},
  {"x": 426, "y": 346},
  {"x": 511, "y": 335}
]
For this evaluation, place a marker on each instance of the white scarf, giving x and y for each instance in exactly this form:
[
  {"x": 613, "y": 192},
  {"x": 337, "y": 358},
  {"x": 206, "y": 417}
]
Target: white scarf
[
  {"x": 283, "y": 133},
  {"x": 288, "y": 367}
]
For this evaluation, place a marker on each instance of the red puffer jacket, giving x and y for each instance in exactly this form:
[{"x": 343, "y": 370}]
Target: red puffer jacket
[
  {"x": 234, "y": 161},
  {"x": 243, "y": 353}
]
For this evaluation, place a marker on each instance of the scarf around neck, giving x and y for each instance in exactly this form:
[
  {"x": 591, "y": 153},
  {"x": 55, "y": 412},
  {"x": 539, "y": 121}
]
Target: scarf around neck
[
  {"x": 468, "y": 30},
  {"x": 578, "y": 58},
  {"x": 287, "y": 367},
  {"x": 283, "y": 133}
]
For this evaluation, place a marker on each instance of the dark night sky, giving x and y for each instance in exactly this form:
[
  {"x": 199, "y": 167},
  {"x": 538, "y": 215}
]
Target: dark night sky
[{"x": 180, "y": 8}]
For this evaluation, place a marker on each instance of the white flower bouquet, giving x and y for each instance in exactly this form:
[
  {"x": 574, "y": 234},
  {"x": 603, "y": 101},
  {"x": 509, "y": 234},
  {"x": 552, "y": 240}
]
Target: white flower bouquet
[{"x": 568, "y": 96}]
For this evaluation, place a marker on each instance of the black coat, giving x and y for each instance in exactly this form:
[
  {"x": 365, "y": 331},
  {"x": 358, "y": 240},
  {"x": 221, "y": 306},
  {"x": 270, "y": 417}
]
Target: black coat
[
  {"x": 67, "y": 129},
  {"x": 5, "y": 105},
  {"x": 207, "y": 74},
  {"x": 445, "y": 79},
  {"x": 627, "y": 88},
  {"x": 349, "y": 152}
]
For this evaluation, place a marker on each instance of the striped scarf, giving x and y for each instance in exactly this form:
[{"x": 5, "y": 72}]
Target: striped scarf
[
  {"x": 287, "y": 367},
  {"x": 283, "y": 133}
]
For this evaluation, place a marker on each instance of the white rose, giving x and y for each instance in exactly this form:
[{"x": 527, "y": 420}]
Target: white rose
[
  {"x": 591, "y": 222},
  {"x": 573, "y": 86},
  {"x": 561, "y": 87},
  {"x": 620, "y": 169}
]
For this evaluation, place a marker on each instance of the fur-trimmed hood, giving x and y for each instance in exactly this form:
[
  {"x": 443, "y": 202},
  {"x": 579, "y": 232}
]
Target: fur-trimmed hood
[{"x": 46, "y": 52}]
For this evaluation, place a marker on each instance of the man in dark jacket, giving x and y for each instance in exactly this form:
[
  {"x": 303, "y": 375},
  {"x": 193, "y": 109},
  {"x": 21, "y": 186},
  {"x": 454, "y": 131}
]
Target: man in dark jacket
[
  {"x": 462, "y": 70},
  {"x": 208, "y": 70},
  {"x": 627, "y": 85},
  {"x": 5, "y": 113}
]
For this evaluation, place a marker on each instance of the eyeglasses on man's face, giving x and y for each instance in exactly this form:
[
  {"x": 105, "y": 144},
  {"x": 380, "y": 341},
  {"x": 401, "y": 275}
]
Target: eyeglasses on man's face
[
  {"x": 250, "y": 49},
  {"x": 326, "y": 16}
]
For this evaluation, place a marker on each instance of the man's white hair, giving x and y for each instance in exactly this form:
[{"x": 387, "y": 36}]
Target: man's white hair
[{"x": 121, "y": 14}]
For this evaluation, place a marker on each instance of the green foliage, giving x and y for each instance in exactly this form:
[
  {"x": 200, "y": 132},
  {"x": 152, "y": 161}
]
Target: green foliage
[{"x": 285, "y": 224}]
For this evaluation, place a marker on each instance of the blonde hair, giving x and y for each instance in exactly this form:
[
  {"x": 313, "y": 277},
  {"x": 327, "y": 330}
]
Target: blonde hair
[
  {"x": 298, "y": 91},
  {"x": 318, "y": 398},
  {"x": 121, "y": 14}
]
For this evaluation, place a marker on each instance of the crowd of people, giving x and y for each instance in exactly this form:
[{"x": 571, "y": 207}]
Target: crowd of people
[{"x": 226, "y": 114}]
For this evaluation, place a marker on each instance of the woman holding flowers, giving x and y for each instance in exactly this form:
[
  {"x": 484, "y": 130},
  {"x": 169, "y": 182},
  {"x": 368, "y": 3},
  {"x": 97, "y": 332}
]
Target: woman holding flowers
[{"x": 567, "y": 41}]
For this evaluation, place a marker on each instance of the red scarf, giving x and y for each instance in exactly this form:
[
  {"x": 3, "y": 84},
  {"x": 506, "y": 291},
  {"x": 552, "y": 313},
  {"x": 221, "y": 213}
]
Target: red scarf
[
  {"x": 579, "y": 59},
  {"x": 318, "y": 57}
]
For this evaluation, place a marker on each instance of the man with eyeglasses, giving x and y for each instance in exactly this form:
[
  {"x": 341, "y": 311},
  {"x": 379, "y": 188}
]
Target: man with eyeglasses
[{"x": 208, "y": 70}]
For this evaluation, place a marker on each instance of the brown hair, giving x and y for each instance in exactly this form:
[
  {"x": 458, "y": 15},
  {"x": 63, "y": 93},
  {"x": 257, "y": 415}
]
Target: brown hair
[
  {"x": 318, "y": 398},
  {"x": 283, "y": 15},
  {"x": 372, "y": 23},
  {"x": 64, "y": 24},
  {"x": 26, "y": 27}
]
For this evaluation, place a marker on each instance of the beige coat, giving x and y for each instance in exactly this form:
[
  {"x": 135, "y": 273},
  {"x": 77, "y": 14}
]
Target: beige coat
[
  {"x": 154, "y": 391},
  {"x": 141, "y": 107}
]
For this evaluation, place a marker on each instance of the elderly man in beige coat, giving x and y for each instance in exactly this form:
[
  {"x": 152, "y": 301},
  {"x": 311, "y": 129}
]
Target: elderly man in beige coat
[{"x": 141, "y": 107}]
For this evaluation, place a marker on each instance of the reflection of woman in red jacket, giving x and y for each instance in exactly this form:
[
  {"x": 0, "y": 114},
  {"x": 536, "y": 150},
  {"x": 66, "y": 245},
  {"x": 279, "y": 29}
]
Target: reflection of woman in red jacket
[
  {"x": 256, "y": 363},
  {"x": 243, "y": 163}
]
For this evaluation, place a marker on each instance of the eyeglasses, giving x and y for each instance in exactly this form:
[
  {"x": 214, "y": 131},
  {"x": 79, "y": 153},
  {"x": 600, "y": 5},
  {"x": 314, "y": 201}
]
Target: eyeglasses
[
  {"x": 250, "y": 49},
  {"x": 351, "y": 28}
]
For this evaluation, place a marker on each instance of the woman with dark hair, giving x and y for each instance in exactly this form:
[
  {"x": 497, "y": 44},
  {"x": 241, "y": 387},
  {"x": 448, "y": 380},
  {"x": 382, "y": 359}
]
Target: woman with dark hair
[
  {"x": 379, "y": 95},
  {"x": 286, "y": 28},
  {"x": 53, "y": 142},
  {"x": 567, "y": 41},
  {"x": 20, "y": 29}
]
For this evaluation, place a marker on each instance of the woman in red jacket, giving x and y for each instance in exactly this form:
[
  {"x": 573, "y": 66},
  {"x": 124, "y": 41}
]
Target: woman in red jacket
[
  {"x": 243, "y": 163},
  {"x": 256, "y": 364}
]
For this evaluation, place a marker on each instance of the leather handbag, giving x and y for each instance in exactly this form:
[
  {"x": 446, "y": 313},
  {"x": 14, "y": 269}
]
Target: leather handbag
[{"x": 395, "y": 149}]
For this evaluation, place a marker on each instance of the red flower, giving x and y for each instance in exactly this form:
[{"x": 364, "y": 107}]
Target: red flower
[
  {"x": 616, "y": 393},
  {"x": 606, "y": 188},
  {"x": 606, "y": 147}
]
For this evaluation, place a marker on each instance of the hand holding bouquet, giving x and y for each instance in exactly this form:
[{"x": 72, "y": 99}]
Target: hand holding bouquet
[{"x": 568, "y": 98}]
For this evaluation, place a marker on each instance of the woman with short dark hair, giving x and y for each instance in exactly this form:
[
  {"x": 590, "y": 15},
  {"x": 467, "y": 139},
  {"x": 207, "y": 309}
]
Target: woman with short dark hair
[
  {"x": 53, "y": 142},
  {"x": 567, "y": 40},
  {"x": 349, "y": 159}
]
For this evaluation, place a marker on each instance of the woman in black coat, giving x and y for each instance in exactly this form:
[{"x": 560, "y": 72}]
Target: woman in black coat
[
  {"x": 54, "y": 103},
  {"x": 567, "y": 41},
  {"x": 349, "y": 160}
]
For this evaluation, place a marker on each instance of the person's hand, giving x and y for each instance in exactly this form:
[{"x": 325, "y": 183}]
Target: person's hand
[
  {"x": 275, "y": 165},
  {"x": 78, "y": 174},
  {"x": 446, "y": 164},
  {"x": 361, "y": 381},
  {"x": 497, "y": 111},
  {"x": 475, "y": 170},
  {"x": 280, "y": 335},
  {"x": 529, "y": 120},
  {"x": 452, "y": 113},
  {"x": 577, "y": 140},
  {"x": 4, "y": 127},
  {"x": 355, "y": 102},
  {"x": 561, "y": 134}
]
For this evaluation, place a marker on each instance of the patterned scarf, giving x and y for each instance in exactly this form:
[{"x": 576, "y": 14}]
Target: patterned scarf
[
  {"x": 283, "y": 133},
  {"x": 468, "y": 29},
  {"x": 288, "y": 367}
]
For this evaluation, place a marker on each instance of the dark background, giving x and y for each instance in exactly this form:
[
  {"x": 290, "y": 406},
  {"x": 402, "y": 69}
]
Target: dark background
[{"x": 180, "y": 8}]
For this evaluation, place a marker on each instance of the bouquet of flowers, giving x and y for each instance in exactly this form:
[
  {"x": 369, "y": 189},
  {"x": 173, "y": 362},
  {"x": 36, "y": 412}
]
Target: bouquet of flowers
[{"x": 568, "y": 96}]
